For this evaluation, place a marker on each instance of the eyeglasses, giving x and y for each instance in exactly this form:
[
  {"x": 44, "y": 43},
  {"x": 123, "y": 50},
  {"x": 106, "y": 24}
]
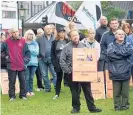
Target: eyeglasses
[
  {"x": 30, "y": 34},
  {"x": 121, "y": 34}
]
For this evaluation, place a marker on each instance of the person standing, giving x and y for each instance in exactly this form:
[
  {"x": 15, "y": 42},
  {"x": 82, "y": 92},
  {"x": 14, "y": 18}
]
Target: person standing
[
  {"x": 56, "y": 48},
  {"x": 127, "y": 29},
  {"x": 33, "y": 63},
  {"x": 119, "y": 60},
  {"x": 17, "y": 55},
  {"x": 3, "y": 55},
  {"x": 103, "y": 28},
  {"x": 45, "y": 43},
  {"x": 130, "y": 40},
  {"x": 40, "y": 86},
  {"x": 66, "y": 65},
  {"x": 107, "y": 38},
  {"x": 90, "y": 42}
]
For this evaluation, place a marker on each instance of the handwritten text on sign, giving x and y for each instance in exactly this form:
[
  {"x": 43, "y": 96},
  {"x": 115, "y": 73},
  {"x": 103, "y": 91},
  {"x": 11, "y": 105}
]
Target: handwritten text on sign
[{"x": 84, "y": 65}]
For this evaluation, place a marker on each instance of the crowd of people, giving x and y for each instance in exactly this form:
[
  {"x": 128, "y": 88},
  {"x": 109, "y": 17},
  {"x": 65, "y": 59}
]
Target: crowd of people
[{"x": 49, "y": 53}]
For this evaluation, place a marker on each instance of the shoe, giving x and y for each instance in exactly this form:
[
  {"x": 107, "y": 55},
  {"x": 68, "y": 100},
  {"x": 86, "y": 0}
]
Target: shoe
[
  {"x": 95, "y": 110},
  {"x": 124, "y": 108},
  {"x": 12, "y": 99},
  {"x": 51, "y": 80},
  {"x": 55, "y": 97},
  {"x": 38, "y": 89},
  {"x": 66, "y": 85},
  {"x": 24, "y": 98},
  {"x": 28, "y": 94},
  {"x": 117, "y": 108},
  {"x": 32, "y": 94},
  {"x": 41, "y": 89},
  {"x": 75, "y": 111}
]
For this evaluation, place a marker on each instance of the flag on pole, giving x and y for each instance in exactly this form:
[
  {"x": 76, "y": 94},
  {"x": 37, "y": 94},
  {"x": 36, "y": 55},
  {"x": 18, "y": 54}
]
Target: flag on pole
[
  {"x": 59, "y": 12},
  {"x": 89, "y": 13}
]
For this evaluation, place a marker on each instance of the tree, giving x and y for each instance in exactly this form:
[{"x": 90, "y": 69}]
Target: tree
[
  {"x": 108, "y": 9},
  {"x": 110, "y": 12}
]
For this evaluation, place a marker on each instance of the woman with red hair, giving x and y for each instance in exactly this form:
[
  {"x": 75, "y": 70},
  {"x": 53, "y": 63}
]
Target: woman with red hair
[{"x": 127, "y": 29}]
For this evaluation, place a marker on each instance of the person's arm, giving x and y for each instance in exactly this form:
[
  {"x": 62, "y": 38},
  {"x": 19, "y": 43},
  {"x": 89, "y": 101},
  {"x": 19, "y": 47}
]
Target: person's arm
[
  {"x": 98, "y": 51},
  {"x": 130, "y": 39},
  {"x": 103, "y": 46},
  {"x": 97, "y": 36},
  {"x": 26, "y": 53},
  {"x": 115, "y": 53},
  {"x": 3, "y": 46},
  {"x": 35, "y": 51},
  {"x": 53, "y": 55},
  {"x": 125, "y": 50},
  {"x": 111, "y": 55},
  {"x": 63, "y": 60}
]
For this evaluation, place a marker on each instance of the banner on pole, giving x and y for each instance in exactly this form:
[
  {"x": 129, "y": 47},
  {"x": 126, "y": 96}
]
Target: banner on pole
[{"x": 89, "y": 13}]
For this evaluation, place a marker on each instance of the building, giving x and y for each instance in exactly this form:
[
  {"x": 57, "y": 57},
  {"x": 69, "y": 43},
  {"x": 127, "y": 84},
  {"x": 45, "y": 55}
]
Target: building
[
  {"x": 33, "y": 7},
  {"x": 9, "y": 17},
  {"x": 124, "y": 5}
]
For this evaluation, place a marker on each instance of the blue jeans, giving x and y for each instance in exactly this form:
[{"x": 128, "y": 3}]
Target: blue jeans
[
  {"x": 30, "y": 71},
  {"x": 44, "y": 65}
]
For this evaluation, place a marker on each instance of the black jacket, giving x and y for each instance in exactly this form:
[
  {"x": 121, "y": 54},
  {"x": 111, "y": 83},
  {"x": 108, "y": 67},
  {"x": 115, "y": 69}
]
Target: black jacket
[
  {"x": 3, "y": 60},
  {"x": 100, "y": 31},
  {"x": 54, "y": 58},
  {"x": 66, "y": 56},
  {"x": 119, "y": 60},
  {"x": 107, "y": 38}
]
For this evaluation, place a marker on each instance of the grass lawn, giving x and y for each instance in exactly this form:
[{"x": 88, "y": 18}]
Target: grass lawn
[{"x": 43, "y": 104}]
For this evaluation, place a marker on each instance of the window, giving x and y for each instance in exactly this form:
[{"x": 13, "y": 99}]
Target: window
[
  {"x": 28, "y": 11},
  {"x": 130, "y": 14},
  {"x": 9, "y": 14},
  {"x": 35, "y": 9}
]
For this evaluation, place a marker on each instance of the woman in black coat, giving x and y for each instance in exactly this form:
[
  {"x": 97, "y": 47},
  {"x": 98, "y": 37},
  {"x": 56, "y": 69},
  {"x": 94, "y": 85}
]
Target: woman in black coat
[{"x": 56, "y": 48}]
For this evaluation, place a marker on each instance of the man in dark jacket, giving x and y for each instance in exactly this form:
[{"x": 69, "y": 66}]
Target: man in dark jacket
[
  {"x": 17, "y": 55},
  {"x": 45, "y": 63},
  {"x": 107, "y": 38},
  {"x": 119, "y": 59},
  {"x": 66, "y": 65},
  {"x": 103, "y": 28}
]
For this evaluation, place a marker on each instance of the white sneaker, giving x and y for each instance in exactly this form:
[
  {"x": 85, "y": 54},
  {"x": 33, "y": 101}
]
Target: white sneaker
[
  {"x": 55, "y": 97},
  {"x": 12, "y": 99},
  {"x": 32, "y": 94},
  {"x": 38, "y": 89},
  {"x": 24, "y": 98},
  {"x": 41, "y": 89},
  {"x": 28, "y": 94}
]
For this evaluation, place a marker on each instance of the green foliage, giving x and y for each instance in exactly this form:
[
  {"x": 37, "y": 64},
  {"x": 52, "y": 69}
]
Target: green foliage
[
  {"x": 110, "y": 12},
  {"x": 115, "y": 13},
  {"x": 43, "y": 104},
  {"x": 85, "y": 32}
]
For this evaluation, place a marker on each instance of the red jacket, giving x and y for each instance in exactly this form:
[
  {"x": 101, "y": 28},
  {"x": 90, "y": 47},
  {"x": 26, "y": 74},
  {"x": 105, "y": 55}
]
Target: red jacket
[{"x": 17, "y": 53}]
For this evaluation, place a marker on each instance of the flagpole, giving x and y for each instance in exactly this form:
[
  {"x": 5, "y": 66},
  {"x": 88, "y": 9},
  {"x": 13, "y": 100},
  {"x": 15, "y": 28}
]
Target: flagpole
[{"x": 71, "y": 20}]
